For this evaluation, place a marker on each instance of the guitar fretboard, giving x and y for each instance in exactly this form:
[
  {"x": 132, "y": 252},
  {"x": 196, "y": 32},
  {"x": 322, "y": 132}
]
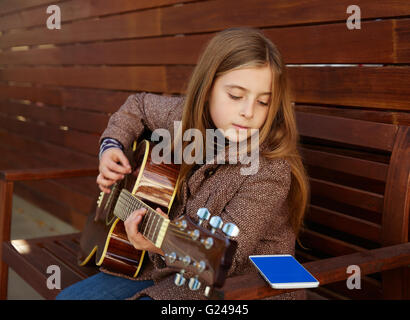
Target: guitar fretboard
[{"x": 153, "y": 226}]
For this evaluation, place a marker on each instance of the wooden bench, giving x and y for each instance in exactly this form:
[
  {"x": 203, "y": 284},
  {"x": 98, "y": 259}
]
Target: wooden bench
[
  {"x": 57, "y": 93},
  {"x": 358, "y": 215}
]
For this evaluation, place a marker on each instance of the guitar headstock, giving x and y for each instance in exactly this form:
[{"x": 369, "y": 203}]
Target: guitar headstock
[{"x": 195, "y": 251}]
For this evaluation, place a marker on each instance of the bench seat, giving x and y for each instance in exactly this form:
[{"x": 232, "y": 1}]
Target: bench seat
[{"x": 31, "y": 258}]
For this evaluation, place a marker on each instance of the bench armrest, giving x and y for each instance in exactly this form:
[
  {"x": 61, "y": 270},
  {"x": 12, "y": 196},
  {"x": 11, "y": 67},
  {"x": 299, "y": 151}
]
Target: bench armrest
[
  {"x": 46, "y": 173},
  {"x": 253, "y": 286},
  {"x": 9, "y": 177}
]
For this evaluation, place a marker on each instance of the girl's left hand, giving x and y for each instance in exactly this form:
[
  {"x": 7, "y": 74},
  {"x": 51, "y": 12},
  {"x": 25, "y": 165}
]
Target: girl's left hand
[{"x": 135, "y": 237}]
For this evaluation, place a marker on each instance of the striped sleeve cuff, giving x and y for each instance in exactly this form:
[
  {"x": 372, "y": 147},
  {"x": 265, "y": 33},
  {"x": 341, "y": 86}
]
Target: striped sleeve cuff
[{"x": 108, "y": 143}]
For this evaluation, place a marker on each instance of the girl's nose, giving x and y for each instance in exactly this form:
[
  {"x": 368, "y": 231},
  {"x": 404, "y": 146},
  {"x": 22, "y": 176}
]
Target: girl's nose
[{"x": 247, "y": 110}]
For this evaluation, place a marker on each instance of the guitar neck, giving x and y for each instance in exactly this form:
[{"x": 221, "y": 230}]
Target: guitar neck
[{"x": 153, "y": 225}]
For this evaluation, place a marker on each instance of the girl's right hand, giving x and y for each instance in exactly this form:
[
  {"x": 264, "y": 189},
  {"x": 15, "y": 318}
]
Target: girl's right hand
[{"x": 110, "y": 170}]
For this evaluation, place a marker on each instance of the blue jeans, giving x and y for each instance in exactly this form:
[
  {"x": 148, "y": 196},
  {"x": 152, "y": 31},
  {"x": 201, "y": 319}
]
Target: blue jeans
[{"x": 102, "y": 286}]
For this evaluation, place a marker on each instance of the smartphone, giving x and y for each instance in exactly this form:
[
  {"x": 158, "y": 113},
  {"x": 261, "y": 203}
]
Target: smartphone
[{"x": 283, "y": 271}]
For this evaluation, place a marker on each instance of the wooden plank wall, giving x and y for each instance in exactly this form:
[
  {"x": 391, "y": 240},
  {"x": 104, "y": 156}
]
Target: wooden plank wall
[{"x": 59, "y": 87}]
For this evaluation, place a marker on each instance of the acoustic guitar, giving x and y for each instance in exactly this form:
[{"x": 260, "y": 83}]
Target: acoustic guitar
[{"x": 188, "y": 247}]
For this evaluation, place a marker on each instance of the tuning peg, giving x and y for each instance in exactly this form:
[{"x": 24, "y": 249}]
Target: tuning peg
[
  {"x": 171, "y": 257},
  {"x": 186, "y": 260},
  {"x": 230, "y": 229},
  {"x": 181, "y": 224},
  {"x": 203, "y": 214},
  {"x": 194, "y": 284},
  {"x": 200, "y": 266},
  {"x": 208, "y": 242},
  {"x": 216, "y": 223},
  {"x": 179, "y": 279}
]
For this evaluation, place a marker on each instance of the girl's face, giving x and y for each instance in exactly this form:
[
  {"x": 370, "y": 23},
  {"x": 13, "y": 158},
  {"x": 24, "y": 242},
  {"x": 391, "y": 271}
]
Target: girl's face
[{"x": 239, "y": 101}]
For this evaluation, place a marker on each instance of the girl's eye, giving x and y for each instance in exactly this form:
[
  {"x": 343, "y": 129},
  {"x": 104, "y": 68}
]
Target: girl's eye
[
  {"x": 234, "y": 97},
  {"x": 237, "y": 98}
]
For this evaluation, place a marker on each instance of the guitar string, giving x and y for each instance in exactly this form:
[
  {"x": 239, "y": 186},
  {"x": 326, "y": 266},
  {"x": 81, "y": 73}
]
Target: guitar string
[
  {"x": 174, "y": 228},
  {"x": 139, "y": 204},
  {"x": 160, "y": 218},
  {"x": 171, "y": 224},
  {"x": 128, "y": 205}
]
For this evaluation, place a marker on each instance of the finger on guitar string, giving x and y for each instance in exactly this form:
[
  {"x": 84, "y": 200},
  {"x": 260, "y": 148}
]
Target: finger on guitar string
[
  {"x": 161, "y": 212},
  {"x": 136, "y": 238},
  {"x": 104, "y": 183},
  {"x": 118, "y": 155},
  {"x": 116, "y": 168},
  {"x": 133, "y": 220},
  {"x": 110, "y": 175}
]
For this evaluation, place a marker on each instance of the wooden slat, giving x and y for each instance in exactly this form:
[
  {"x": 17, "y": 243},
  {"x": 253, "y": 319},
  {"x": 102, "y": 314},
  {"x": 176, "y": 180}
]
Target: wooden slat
[
  {"x": 7, "y": 6},
  {"x": 57, "y": 209},
  {"x": 71, "y": 243},
  {"x": 328, "y": 245},
  {"x": 360, "y": 167},
  {"x": 22, "y": 167},
  {"x": 86, "y": 143},
  {"x": 397, "y": 198},
  {"x": 202, "y": 16},
  {"x": 78, "y": 9},
  {"x": 348, "y": 224},
  {"x": 32, "y": 169},
  {"x": 28, "y": 272},
  {"x": 6, "y": 199},
  {"x": 151, "y": 51},
  {"x": 396, "y": 213},
  {"x": 84, "y": 99},
  {"x": 379, "y": 87},
  {"x": 67, "y": 258},
  {"x": 333, "y": 43},
  {"x": 344, "y": 194},
  {"x": 402, "y": 40},
  {"x": 78, "y": 201},
  {"x": 383, "y": 116},
  {"x": 68, "y": 118},
  {"x": 355, "y": 132},
  {"x": 373, "y": 87},
  {"x": 35, "y": 256},
  {"x": 370, "y": 289},
  {"x": 253, "y": 286},
  {"x": 216, "y": 15},
  {"x": 123, "y": 78},
  {"x": 109, "y": 101},
  {"x": 59, "y": 156},
  {"x": 40, "y": 260},
  {"x": 130, "y": 25},
  {"x": 19, "y": 159}
]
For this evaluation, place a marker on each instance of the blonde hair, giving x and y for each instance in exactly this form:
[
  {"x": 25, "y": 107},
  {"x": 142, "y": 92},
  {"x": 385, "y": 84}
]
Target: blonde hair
[{"x": 237, "y": 48}]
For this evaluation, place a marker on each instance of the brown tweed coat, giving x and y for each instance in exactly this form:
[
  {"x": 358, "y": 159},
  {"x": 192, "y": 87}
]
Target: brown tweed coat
[{"x": 255, "y": 203}]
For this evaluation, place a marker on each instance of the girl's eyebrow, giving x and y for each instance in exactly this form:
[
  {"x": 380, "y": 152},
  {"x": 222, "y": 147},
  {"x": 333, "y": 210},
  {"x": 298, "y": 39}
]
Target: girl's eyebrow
[{"x": 244, "y": 89}]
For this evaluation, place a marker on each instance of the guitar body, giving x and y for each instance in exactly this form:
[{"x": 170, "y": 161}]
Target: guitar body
[{"x": 104, "y": 241}]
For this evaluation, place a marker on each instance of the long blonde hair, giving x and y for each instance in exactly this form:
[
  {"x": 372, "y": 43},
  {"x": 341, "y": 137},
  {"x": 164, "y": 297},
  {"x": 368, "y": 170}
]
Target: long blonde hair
[{"x": 236, "y": 48}]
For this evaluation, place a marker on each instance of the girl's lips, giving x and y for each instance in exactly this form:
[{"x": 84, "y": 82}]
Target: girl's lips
[{"x": 239, "y": 127}]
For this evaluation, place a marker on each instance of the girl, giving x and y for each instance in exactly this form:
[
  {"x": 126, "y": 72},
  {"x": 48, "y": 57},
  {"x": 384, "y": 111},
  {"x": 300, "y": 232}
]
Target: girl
[{"x": 238, "y": 84}]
